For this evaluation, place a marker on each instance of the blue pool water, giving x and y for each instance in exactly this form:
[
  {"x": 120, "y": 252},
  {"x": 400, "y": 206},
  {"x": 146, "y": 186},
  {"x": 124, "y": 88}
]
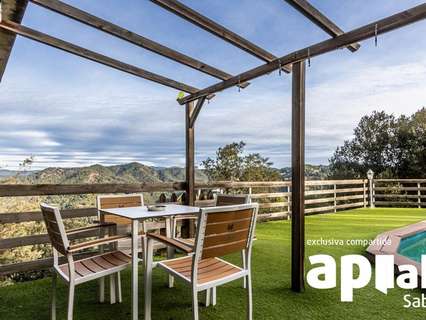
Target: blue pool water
[{"x": 414, "y": 246}]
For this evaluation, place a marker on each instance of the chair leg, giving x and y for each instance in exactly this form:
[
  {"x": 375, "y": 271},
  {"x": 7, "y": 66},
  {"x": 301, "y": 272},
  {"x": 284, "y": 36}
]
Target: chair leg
[
  {"x": 102, "y": 290},
  {"x": 208, "y": 298},
  {"x": 53, "y": 306},
  {"x": 249, "y": 298},
  {"x": 243, "y": 258},
  {"x": 112, "y": 289},
  {"x": 118, "y": 287},
  {"x": 71, "y": 290},
  {"x": 194, "y": 304},
  {"x": 144, "y": 248},
  {"x": 213, "y": 296}
]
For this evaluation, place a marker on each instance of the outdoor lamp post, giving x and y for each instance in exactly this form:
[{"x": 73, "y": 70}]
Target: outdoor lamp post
[{"x": 370, "y": 176}]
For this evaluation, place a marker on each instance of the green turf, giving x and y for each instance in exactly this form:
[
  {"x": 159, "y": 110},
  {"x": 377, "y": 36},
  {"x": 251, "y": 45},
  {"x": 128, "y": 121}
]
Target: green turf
[{"x": 271, "y": 281}]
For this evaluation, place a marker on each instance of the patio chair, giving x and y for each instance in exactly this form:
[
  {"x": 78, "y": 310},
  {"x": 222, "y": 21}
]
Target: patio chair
[
  {"x": 77, "y": 272},
  {"x": 220, "y": 200},
  {"x": 220, "y": 231},
  {"x": 123, "y": 227}
]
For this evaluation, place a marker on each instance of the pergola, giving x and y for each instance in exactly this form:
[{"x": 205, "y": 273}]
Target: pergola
[{"x": 12, "y": 12}]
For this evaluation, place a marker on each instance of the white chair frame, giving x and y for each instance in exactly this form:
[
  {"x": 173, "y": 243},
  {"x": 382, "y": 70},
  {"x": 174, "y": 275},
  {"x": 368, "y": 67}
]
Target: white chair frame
[
  {"x": 245, "y": 271},
  {"x": 61, "y": 245},
  {"x": 211, "y": 298}
]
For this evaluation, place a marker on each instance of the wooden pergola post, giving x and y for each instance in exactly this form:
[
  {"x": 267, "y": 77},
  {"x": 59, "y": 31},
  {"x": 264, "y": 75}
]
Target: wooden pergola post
[
  {"x": 190, "y": 163},
  {"x": 298, "y": 179}
]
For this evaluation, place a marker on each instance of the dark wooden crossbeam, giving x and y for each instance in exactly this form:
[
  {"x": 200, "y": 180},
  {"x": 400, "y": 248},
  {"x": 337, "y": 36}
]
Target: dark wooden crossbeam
[
  {"x": 127, "y": 35},
  {"x": 317, "y": 17},
  {"x": 196, "y": 111},
  {"x": 93, "y": 56},
  {"x": 379, "y": 27},
  {"x": 13, "y": 11},
  {"x": 215, "y": 28}
]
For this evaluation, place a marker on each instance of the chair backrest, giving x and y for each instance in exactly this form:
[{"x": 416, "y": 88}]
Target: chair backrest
[
  {"x": 119, "y": 201},
  {"x": 224, "y": 230},
  {"x": 231, "y": 199},
  {"x": 55, "y": 228}
]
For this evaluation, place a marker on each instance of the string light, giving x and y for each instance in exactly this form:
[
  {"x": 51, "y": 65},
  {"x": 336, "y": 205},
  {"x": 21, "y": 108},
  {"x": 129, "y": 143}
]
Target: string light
[
  {"x": 309, "y": 57},
  {"x": 375, "y": 34}
]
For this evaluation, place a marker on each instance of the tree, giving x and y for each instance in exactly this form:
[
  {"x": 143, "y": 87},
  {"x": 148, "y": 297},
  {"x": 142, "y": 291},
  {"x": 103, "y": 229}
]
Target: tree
[
  {"x": 232, "y": 164},
  {"x": 391, "y": 147}
]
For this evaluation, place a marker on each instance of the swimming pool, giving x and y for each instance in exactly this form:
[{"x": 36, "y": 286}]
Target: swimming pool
[
  {"x": 406, "y": 244},
  {"x": 413, "y": 246}
]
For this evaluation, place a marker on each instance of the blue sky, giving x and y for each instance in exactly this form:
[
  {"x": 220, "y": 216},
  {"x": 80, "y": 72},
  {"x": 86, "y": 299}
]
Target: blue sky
[{"x": 67, "y": 111}]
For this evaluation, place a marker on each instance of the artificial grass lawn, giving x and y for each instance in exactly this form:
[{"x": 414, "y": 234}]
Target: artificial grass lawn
[{"x": 271, "y": 281}]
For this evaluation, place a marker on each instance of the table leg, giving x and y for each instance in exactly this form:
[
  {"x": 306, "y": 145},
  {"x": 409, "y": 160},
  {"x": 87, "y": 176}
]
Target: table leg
[
  {"x": 170, "y": 227},
  {"x": 135, "y": 232}
]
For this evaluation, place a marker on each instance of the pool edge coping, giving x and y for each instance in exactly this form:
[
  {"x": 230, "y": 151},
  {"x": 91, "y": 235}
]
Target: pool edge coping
[{"x": 396, "y": 235}]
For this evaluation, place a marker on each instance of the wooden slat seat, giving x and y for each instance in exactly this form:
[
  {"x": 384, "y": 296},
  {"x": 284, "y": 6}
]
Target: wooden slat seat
[
  {"x": 221, "y": 231},
  {"x": 210, "y": 269},
  {"x": 220, "y": 200},
  {"x": 96, "y": 266}
]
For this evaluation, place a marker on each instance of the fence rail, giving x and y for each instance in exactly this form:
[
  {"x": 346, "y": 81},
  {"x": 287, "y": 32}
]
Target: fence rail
[
  {"x": 274, "y": 199},
  {"x": 399, "y": 193}
]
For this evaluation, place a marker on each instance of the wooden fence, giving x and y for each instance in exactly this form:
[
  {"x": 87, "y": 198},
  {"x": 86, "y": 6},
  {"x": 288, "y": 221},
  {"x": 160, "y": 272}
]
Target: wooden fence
[
  {"x": 399, "y": 193},
  {"x": 274, "y": 199}
]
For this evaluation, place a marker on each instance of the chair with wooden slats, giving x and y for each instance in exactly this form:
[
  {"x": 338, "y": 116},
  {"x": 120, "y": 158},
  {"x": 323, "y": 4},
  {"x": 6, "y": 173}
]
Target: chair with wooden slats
[
  {"x": 77, "y": 272},
  {"x": 123, "y": 227},
  {"x": 220, "y": 200},
  {"x": 220, "y": 231}
]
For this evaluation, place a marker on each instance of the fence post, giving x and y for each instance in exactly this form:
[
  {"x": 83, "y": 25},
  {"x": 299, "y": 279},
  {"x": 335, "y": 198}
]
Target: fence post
[
  {"x": 419, "y": 195},
  {"x": 289, "y": 201},
  {"x": 365, "y": 194},
  {"x": 370, "y": 176},
  {"x": 250, "y": 192},
  {"x": 335, "y": 199}
]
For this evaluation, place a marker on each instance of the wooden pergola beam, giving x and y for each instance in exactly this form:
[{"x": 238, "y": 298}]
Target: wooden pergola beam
[
  {"x": 127, "y": 35},
  {"x": 93, "y": 56},
  {"x": 298, "y": 178},
  {"x": 12, "y": 11},
  {"x": 321, "y": 20},
  {"x": 378, "y": 27},
  {"x": 218, "y": 30},
  {"x": 196, "y": 111},
  {"x": 190, "y": 156}
]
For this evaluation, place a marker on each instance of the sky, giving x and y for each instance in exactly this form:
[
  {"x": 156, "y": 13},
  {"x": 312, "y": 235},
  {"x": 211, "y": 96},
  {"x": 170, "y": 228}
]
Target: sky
[{"x": 67, "y": 111}]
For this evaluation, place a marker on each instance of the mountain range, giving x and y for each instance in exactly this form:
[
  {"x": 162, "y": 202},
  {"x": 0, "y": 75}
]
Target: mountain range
[{"x": 133, "y": 172}]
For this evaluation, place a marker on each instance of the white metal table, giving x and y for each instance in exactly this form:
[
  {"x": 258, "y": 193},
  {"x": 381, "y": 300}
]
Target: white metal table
[{"x": 136, "y": 214}]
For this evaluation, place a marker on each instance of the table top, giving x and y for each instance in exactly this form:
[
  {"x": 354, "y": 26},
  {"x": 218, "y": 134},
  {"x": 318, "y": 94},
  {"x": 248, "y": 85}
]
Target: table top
[{"x": 141, "y": 212}]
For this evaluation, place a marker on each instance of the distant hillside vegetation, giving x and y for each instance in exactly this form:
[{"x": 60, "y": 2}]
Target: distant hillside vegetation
[
  {"x": 312, "y": 172},
  {"x": 133, "y": 172},
  {"x": 127, "y": 173}
]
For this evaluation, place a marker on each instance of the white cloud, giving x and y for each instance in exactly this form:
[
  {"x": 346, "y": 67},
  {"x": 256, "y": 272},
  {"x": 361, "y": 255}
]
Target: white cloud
[{"x": 87, "y": 113}]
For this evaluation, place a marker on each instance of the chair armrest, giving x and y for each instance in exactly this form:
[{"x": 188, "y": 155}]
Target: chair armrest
[
  {"x": 92, "y": 227},
  {"x": 94, "y": 243},
  {"x": 170, "y": 242},
  {"x": 186, "y": 217}
]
